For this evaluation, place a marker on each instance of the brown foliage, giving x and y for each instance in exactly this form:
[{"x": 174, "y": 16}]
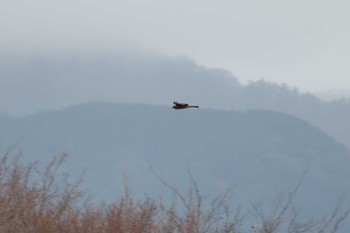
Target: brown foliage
[{"x": 41, "y": 202}]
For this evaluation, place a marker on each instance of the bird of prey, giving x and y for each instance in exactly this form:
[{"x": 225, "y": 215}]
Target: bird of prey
[{"x": 183, "y": 105}]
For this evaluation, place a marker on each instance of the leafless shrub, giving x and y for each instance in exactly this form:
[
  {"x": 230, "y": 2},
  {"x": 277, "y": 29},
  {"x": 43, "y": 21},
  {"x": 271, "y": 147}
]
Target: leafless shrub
[
  {"x": 199, "y": 217},
  {"x": 284, "y": 217},
  {"x": 45, "y": 202},
  {"x": 28, "y": 205}
]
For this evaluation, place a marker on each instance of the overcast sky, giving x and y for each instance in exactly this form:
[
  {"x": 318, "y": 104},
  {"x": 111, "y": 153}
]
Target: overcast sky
[{"x": 305, "y": 43}]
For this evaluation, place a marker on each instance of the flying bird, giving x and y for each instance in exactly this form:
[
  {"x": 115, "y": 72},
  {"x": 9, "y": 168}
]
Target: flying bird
[{"x": 183, "y": 105}]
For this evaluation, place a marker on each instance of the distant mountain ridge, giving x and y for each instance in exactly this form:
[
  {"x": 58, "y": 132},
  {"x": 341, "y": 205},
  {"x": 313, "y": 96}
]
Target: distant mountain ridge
[
  {"x": 53, "y": 82},
  {"x": 258, "y": 153}
]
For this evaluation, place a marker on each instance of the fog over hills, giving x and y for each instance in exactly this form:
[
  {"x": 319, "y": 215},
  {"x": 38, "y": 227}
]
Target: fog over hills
[
  {"x": 257, "y": 153},
  {"x": 257, "y": 139},
  {"x": 37, "y": 83},
  {"x": 334, "y": 94},
  {"x": 96, "y": 80}
]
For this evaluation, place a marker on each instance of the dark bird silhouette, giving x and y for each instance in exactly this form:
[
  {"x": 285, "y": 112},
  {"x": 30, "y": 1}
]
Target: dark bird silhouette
[{"x": 183, "y": 105}]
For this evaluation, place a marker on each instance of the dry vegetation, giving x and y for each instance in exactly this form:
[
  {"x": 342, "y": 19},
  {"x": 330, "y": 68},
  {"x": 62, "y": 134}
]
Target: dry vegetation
[{"x": 38, "y": 201}]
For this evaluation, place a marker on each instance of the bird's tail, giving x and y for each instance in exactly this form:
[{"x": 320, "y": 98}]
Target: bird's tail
[{"x": 193, "y": 106}]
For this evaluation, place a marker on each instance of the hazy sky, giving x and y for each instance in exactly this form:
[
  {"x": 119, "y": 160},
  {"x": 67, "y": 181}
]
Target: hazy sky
[{"x": 305, "y": 43}]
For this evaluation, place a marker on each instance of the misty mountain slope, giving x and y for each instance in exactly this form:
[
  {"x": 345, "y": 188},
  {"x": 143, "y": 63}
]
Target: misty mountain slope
[
  {"x": 54, "y": 82},
  {"x": 258, "y": 153},
  {"x": 329, "y": 116},
  {"x": 42, "y": 83}
]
